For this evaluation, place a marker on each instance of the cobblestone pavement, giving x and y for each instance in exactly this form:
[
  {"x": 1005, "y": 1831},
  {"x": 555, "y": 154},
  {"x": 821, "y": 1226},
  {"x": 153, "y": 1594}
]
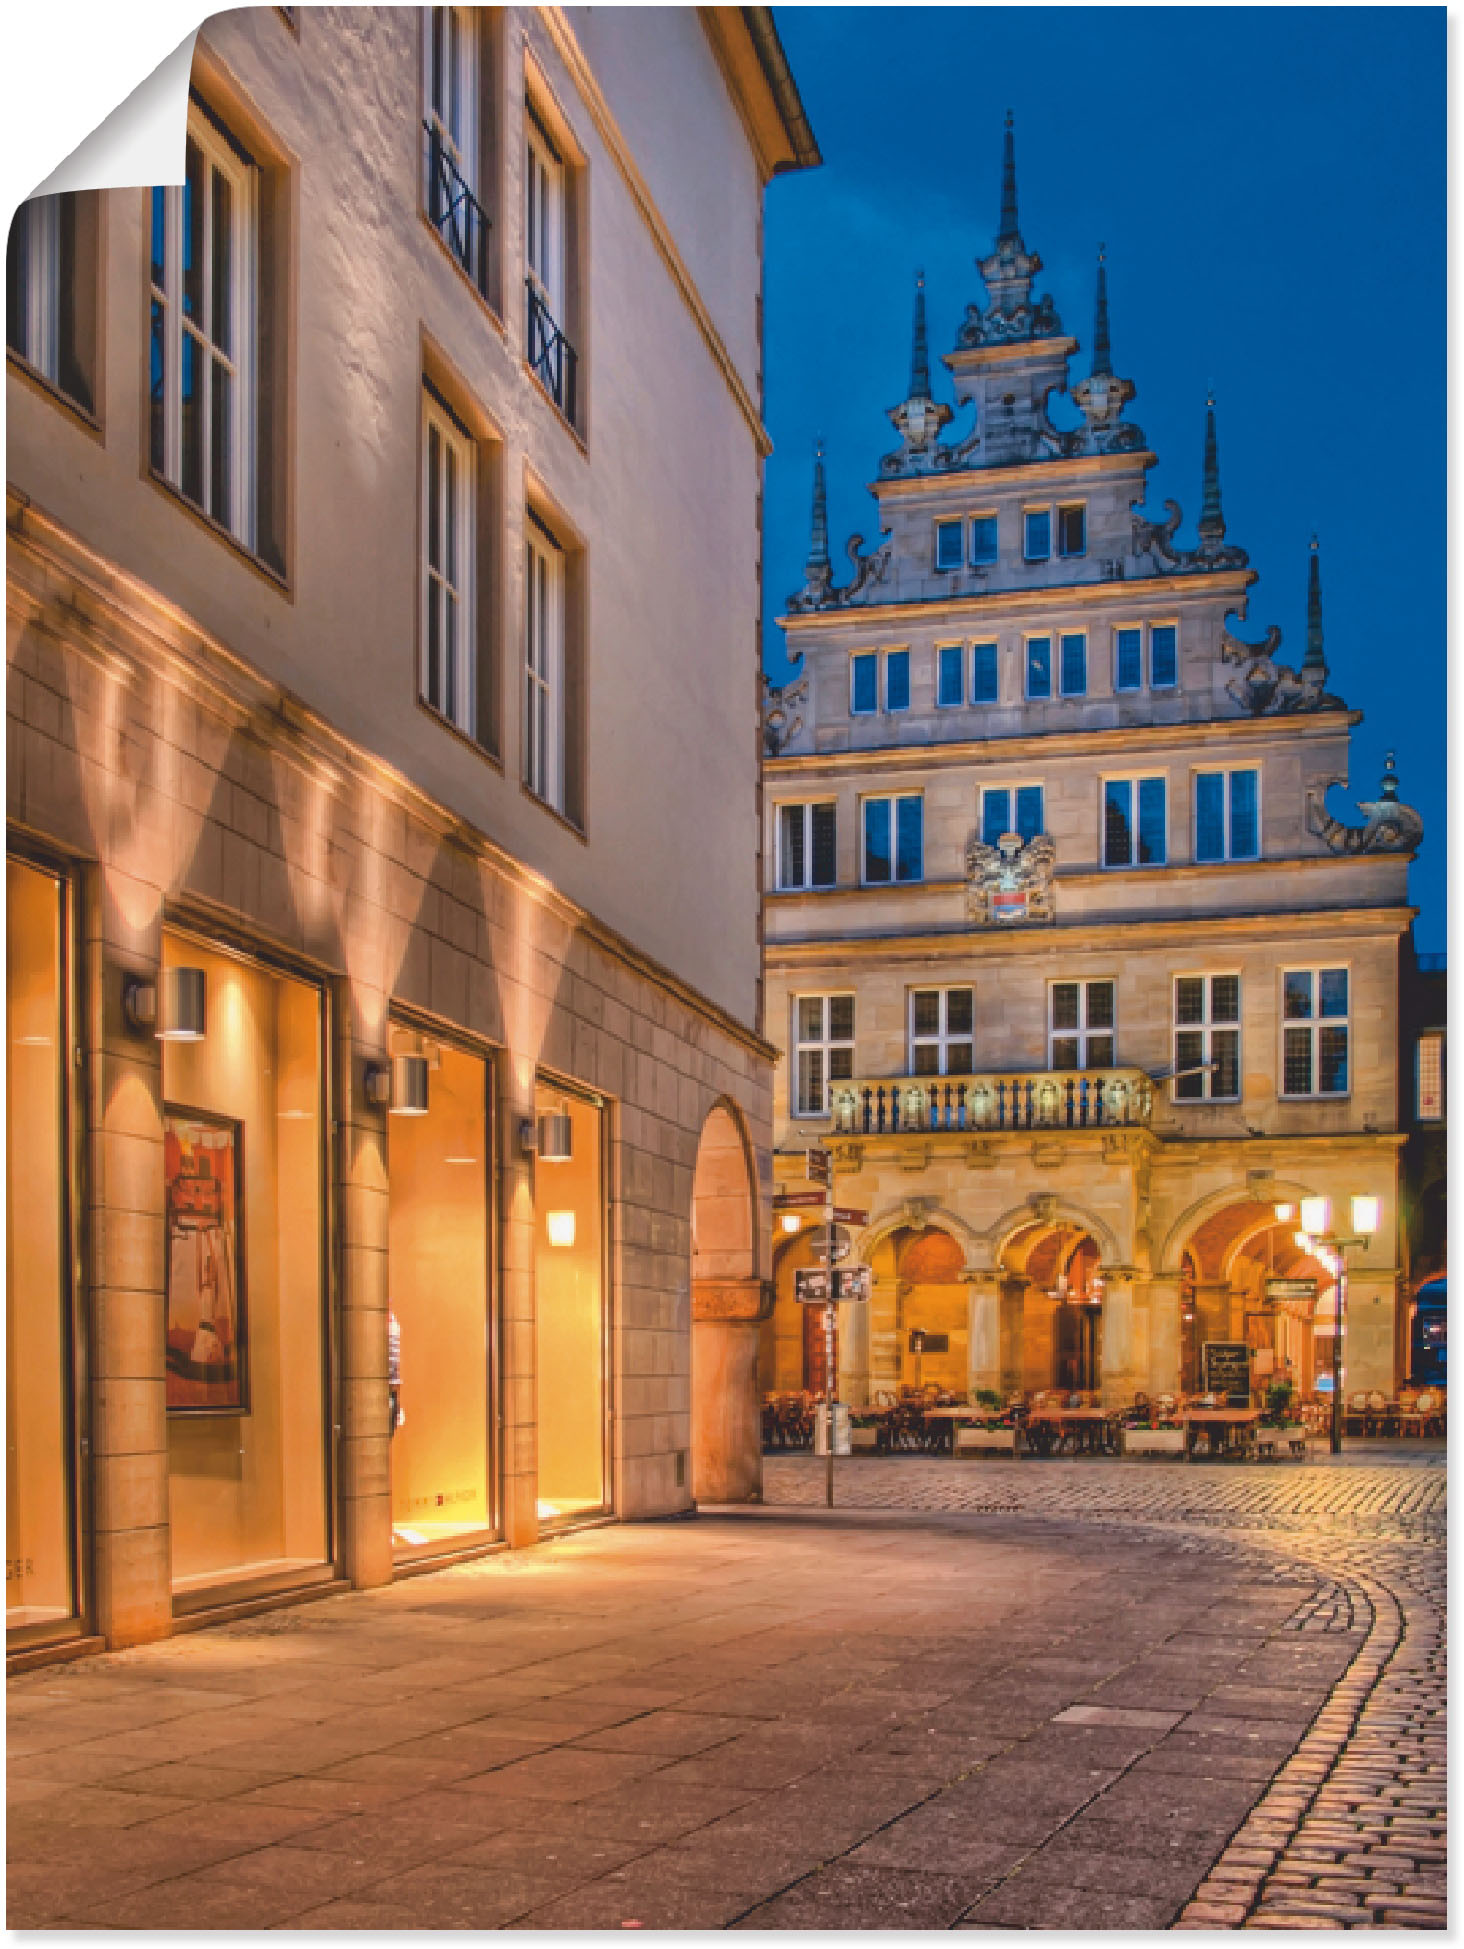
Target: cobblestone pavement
[{"x": 990, "y": 1712}]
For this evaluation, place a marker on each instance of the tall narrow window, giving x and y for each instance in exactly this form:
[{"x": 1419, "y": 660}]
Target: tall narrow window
[
  {"x": 1128, "y": 659},
  {"x": 1135, "y": 816},
  {"x": 983, "y": 539},
  {"x": 985, "y": 686},
  {"x": 1227, "y": 815},
  {"x": 893, "y": 839},
  {"x": 864, "y": 683},
  {"x": 203, "y": 309},
  {"x": 1314, "y": 1048},
  {"x": 1004, "y": 809},
  {"x": 51, "y": 292},
  {"x": 544, "y": 694},
  {"x": 950, "y": 675},
  {"x": 897, "y": 680},
  {"x": 450, "y": 93},
  {"x": 1072, "y": 530},
  {"x": 1074, "y": 664},
  {"x": 940, "y": 1032},
  {"x": 1039, "y": 666},
  {"x": 807, "y": 854},
  {"x": 1163, "y": 656},
  {"x": 1207, "y": 1038},
  {"x": 448, "y": 529},
  {"x": 948, "y": 544},
  {"x": 550, "y": 354},
  {"x": 1431, "y": 1077},
  {"x": 823, "y": 1045},
  {"x": 1080, "y": 1025},
  {"x": 1036, "y": 534}
]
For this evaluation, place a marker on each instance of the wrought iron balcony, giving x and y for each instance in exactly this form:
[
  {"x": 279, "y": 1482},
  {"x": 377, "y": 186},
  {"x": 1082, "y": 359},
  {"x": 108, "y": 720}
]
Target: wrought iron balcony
[
  {"x": 455, "y": 213},
  {"x": 1044, "y": 1099},
  {"x": 551, "y": 355}
]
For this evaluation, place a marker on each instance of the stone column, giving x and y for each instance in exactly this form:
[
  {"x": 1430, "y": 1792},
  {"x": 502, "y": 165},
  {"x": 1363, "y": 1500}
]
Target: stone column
[
  {"x": 983, "y": 1343},
  {"x": 726, "y": 1408},
  {"x": 1164, "y": 1341},
  {"x": 854, "y": 1352},
  {"x": 1013, "y": 1301},
  {"x": 1124, "y": 1360},
  {"x": 365, "y": 1446},
  {"x": 124, "y": 1221},
  {"x": 517, "y": 1363},
  {"x": 884, "y": 1334},
  {"x": 1369, "y": 1331}
]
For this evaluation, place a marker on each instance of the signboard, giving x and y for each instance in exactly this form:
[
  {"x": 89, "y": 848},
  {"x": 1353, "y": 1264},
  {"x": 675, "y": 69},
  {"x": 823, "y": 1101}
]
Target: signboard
[
  {"x": 850, "y": 1215},
  {"x": 842, "y": 1243},
  {"x": 1291, "y": 1289},
  {"x": 814, "y": 1286},
  {"x": 820, "y": 1166},
  {"x": 923, "y": 1342},
  {"x": 799, "y": 1200},
  {"x": 1227, "y": 1371}
]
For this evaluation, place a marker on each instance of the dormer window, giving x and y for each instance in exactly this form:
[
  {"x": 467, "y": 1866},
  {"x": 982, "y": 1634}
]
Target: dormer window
[
  {"x": 1036, "y": 534},
  {"x": 948, "y": 540},
  {"x": 983, "y": 539},
  {"x": 1072, "y": 530}
]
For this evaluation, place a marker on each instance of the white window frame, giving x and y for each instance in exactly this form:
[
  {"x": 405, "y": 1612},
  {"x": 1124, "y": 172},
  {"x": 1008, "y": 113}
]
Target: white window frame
[
  {"x": 854, "y": 657},
  {"x": 1133, "y": 780},
  {"x": 544, "y": 224},
  {"x": 1060, "y": 672},
  {"x": 828, "y": 1047},
  {"x": 940, "y": 523},
  {"x": 983, "y": 561},
  {"x": 893, "y": 800},
  {"x": 543, "y": 664},
  {"x": 456, "y": 118},
  {"x": 807, "y": 884},
  {"x": 1206, "y": 1029},
  {"x": 1039, "y": 636},
  {"x": 1082, "y": 1034},
  {"x": 217, "y": 153},
  {"x": 1038, "y": 507},
  {"x": 943, "y": 1038},
  {"x": 994, "y": 644},
  {"x": 450, "y": 579},
  {"x": 958, "y": 650},
  {"x": 1229, "y": 855},
  {"x": 40, "y": 246},
  {"x": 1311, "y": 1025},
  {"x": 1435, "y": 1040},
  {"x": 1060, "y": 509},
  {"x": 1009, "y": 792}
]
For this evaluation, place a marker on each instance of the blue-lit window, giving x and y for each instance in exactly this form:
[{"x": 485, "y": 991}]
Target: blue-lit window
[
  {"x": 1039, "y": 666},
  {"x": 897, "y": 680},
  {"x": 1163, "y": 656},
  {"x": 1074, "y": 665},
  {"x": 984, "y": 684},
  {"x": 950, "y": 675},
  {"x": 1227, "y": 815},
  {"x": 1072, "y": 530},
  {"x": 948, "y": 545},
  {"x": 1135, "y": 817},
  {"x": 1006, "y": 810},
  {"x": 983, "y": 538},
  {"x": 864, "y": 684},
  {"x": 1037, "y": 534},
  {"x": 894, "y": 839},
  {"x": 1128, "y": 659}
]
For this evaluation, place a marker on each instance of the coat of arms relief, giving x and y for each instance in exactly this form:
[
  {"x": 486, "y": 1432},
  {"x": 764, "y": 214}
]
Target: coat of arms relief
[{"x": 1010, "y": 882}]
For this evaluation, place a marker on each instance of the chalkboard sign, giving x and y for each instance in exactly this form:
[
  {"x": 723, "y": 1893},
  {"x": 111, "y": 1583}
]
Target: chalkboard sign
[
  {"x": 1227, "y": 1371},
  {"x": 923, "y": 1342}
]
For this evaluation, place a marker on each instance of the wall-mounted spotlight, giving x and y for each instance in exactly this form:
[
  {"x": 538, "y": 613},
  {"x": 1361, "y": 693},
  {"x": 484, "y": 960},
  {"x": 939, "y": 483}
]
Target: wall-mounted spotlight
[
  {"x": 174, "y": 1008},
  {"x": 399, "y": 1086},
  {"x": 560, "y": 1226},
  {"x": 556, "y": 1136}
]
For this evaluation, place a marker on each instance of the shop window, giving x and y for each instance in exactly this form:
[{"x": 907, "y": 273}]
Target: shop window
[
  {"x": 244, "y": 1318},
  {"x": 1207, "y": 1038},
  {"x": 440, "y": 1341},
  {"x": 40, "y": 1589},
  {"x": 51, "y": 292},
  {"x": 570, "y": 1312}
]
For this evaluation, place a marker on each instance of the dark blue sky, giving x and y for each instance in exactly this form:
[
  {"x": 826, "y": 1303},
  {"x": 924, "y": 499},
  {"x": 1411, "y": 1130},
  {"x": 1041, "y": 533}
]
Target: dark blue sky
[{"x": 1269, "y": 183}]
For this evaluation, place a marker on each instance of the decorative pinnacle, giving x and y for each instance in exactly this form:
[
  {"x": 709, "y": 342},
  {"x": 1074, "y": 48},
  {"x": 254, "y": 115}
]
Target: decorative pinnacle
[
  {"x": 1315, "y": 658},
  {"x": 1390, "y": 780},
  {"x": 919, "y": 350},
  {"x": 1212, "y": 520},
  {"x": 1102, "y": 361},
  {"x": 1008, "y": 231},
  {"x": 818, "y": 544}
]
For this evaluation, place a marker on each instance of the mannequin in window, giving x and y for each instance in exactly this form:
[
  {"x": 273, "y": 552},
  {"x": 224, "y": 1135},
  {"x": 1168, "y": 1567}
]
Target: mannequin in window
[{"x": 397, "y": 1413}]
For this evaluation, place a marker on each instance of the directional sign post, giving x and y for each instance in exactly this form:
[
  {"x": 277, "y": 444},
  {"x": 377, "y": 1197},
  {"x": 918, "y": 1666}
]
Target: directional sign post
[
  {"x": 799, "y": 1200},
  {"x": 820, "y": 1166},
  {"x": 849, "y": 1215},
  {"x": 813, "y": 1285}
]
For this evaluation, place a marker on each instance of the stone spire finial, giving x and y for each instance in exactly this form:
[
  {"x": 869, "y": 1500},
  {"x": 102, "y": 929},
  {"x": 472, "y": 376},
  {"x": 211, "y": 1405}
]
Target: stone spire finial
[
  {"x": 818, "y": 572},
  {"x": 919, "y": 349},
  {"x": 1212, "y": 520},
  {"x": 1102, "y": 357},
  {"x": 1390, "y": 780},
  {"x": 1315, "y": 660},
  {"x": 1008, "y": 233}
]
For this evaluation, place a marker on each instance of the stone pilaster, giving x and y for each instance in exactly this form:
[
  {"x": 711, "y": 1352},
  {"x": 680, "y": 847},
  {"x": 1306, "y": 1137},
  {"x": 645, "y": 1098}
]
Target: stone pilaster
[
  {"x": 983, "y": 1342},
  {"x": 1163, "y": 1295},
  {"x": 365, "y": 1444},
  {"x": 516, "y": 1342},
  {"x": 726, "y": 1407}
]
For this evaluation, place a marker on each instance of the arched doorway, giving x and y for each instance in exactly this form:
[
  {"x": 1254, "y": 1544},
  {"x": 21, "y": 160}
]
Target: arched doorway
[
  {"x": 1234, "y": 1270},
  {"x": 727, "y": 1307}
]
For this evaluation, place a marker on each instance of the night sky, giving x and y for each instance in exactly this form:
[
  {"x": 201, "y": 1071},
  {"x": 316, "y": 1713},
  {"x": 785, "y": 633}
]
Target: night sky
[{"x": 1269, "y": 183}]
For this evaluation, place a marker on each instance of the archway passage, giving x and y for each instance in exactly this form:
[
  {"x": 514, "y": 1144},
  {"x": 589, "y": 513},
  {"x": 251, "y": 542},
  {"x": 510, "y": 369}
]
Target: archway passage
[
  {"x": 1053, "y": 1300},
  {"x": 726, "y": 1309},
  {"x": 1233, "y": 1270}
]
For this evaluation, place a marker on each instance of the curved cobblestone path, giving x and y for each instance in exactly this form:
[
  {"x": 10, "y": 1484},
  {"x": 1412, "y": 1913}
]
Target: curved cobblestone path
[{"x": 1351, "y": 1832}]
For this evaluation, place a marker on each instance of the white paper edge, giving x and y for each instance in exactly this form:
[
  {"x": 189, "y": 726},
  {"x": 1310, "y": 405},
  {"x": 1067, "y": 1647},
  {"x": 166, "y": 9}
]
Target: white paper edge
[{"x": 141, "y": 141}]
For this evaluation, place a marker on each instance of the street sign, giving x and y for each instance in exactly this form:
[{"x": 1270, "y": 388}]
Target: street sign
[
  {"x": 1291, "y": 1289},
  {"x": 850, "y": 1215},
  {"x": 820, "y": 1165},
  {"x": 814, "y": 1286},
  {"x": 799, "y": 1200},
  {"x": 842, "y": 1244}
]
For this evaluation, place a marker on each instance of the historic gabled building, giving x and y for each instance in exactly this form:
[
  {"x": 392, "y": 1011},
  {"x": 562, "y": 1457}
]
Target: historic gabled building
[{"x": 1070, "y": 961}]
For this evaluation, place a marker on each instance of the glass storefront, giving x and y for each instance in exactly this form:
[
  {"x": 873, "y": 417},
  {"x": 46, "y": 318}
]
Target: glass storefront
[
  {"x": 246, "y": 1342},
  {"x": 441, "y": 1347},
  {"x": 40, "y": 1553},
  {"x": 569, "y": 1278}
]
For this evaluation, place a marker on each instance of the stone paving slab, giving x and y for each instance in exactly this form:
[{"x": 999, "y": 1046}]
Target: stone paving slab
[{"x": 918, "y": 1715}]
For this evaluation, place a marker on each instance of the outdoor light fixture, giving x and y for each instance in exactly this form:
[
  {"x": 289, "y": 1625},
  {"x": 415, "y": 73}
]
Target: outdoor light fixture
[
  {"x": 1316, "y": 1216},
  {"x": 1285, "y": 1214},
  {"x": 556, "y": 1135},
  {"x": 791, "y": 1221},
  {"x": 180, "y": 1005},
  {"x": 561, "y": 1227},
  {"x": 139, "y": 1004},
  {"x": 399, "y": 1086}
]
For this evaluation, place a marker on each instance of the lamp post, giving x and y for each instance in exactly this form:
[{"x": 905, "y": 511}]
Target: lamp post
[{"x": 1317, "y": 1237}]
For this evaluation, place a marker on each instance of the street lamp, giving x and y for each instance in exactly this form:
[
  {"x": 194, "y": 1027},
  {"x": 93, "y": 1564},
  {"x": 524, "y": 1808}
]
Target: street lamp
[{"x": 1317, "y": 1237}]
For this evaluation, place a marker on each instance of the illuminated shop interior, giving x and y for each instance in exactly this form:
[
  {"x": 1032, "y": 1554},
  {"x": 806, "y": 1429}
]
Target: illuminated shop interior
[
  {"x": 439, "y": 1300},
  {"x": 39, "y": 1588},
  {"x": 246, "y": 1345},
  {"x": 569, "y": 1278}
]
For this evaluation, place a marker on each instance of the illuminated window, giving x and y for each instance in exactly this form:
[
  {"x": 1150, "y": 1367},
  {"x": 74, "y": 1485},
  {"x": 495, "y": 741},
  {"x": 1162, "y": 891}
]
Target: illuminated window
[
  {"x": 570, "y": 1316},
  {"x": 1431, "y": 1077}
]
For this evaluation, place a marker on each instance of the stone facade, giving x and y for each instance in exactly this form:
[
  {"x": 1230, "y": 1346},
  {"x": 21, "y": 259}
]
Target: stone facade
[
  {"x": 1021, "y": 624},
  {"x": 201, "y": 741}
]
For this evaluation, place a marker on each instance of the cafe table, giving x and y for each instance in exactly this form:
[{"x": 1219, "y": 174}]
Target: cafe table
[
  {"x": 1235, "y": 1426},
  {"x": 1086, "y": 1425}
]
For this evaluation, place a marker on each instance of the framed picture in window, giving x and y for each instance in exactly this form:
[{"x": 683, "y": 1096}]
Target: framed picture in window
[{"x": 205, "y": 1306}]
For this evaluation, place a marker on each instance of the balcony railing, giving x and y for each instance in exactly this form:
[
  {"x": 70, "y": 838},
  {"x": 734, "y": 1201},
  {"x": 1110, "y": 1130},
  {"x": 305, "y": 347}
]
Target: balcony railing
[
  {"x": 455, "y": 213},
  {"x": 551, "y": 355},
  {"x": 1046, "y": 1099}
]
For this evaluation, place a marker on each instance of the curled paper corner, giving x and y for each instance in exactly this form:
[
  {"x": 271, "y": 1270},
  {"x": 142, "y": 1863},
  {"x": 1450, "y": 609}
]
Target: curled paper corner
[{"x": 141, "y": 141}]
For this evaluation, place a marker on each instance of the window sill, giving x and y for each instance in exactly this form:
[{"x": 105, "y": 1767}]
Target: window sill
[
  {"x": 461, "y": 736},
  {"x": 49, "y": 390},
  {"x": 245, "y": 554},
  {"x": 1315, "y": 1096},
  {"x": 486, "y": 304},
  {"x": 554, "y": 813},
  {"x": 559, "y": 413}
]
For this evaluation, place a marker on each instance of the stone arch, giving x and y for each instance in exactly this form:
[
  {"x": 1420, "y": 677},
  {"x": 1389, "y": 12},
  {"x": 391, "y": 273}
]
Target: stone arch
[
  {"x": 728, "y": 1301},
  {"x": 916, "y": 1215},
  {"x": 1277, "y": 1190},
  {"x": 1045, "y": 1213}
]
